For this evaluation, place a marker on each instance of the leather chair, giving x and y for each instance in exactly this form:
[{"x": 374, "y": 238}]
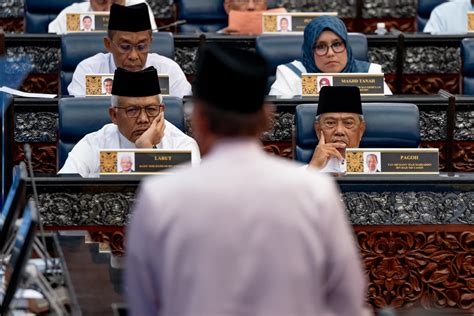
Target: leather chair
[
  {"x": 205, "y": 15},
  {"x": 39, "y": 13},
  {"x": 467, "y": 57},
  {"x": 83, "y": 115},
  {"x": 283, "y": 49},
  {"x": 388, "y": 125},
  {"x": 75, "y": 47},
  {"x": 423, "y": 12}
]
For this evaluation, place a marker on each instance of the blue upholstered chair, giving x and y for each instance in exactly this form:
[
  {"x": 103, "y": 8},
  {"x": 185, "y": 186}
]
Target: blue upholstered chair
[
  {"x": 423, "y": 11},
  {"x": 204, "y": 15},
  {"x": 76, "y": 47},
  {"x": 388, "y": 125},
  {"x": 467, "y": 57},
  {"x": 39, "y": 13},
  {"x": 83, "y": 115},
  {"x": 282, "y": 49}
]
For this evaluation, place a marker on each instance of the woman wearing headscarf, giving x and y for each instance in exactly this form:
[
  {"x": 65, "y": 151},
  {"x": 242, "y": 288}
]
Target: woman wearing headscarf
[{"x": 325, "y": 50}]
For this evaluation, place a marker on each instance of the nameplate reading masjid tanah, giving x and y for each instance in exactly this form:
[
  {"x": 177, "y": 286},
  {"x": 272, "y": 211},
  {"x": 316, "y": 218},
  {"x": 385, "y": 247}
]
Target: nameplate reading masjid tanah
[
  {"x": 369, "y": 84},
  {"x": 141, "y": 161},
  {"x": 392, "y": 161}
]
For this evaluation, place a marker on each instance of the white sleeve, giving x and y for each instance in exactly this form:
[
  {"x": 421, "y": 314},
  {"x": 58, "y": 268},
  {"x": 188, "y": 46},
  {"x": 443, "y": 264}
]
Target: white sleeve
[
  {"x": 58, "y": 25},
  {"x": 435, "y": 22},
  {"x": 345, "y": 281},
  {"x": 141, "y": 264},
  {"x": 77, "y": 87},
  {"x": 82, "y": 159},
  {"x": 287, "y": 83},
  {"x": 179, "y": 85}
]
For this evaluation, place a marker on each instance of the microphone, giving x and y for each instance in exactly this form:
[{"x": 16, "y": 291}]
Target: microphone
[
  {"x": 176, "y": 23},
  {"x": 27, "y": 150}
]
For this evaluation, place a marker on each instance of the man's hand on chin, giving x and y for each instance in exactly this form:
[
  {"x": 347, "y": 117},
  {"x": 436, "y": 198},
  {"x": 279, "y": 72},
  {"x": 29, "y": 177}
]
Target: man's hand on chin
[
  {"x": 324, "y": 152},
  {"x": 154, "y": 134}
]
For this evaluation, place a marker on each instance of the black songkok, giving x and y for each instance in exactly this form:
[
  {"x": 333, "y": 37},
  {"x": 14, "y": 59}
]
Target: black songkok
[
  {"x": 143, "y": 83},
  {"x": 133, "y": 18},
  {"x": 231, "y": 79},
  {"x": 339, "y": 99}
]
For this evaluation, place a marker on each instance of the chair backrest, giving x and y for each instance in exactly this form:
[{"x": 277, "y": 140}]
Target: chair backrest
[
  {"x": 75, "y": 47},
  {"x": 39, "y": 13},
  {"x": 282, "y": 49},
  {"x": 205, "y": 15},
  {"x": 467, "y": 57},
  {"x": 423, "y": 11},
  {"x": 388, "y": 125},
  {"x": 83, "y": 115}
]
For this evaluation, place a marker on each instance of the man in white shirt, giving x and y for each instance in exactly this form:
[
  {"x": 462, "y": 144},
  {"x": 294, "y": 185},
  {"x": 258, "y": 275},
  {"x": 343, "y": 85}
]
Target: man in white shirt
[
  {"x": 58, "y": 25},
  {"x": 246, "y": 233},
  {"x": 449, "y": 18},
  {"x": 137, "y": 113},
  {"x": 128, "y": 41},
  {"x": 339, "y": 124}
]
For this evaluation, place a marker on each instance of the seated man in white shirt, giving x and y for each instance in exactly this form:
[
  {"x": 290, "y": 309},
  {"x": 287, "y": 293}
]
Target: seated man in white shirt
[
  {"x": 58, "y": 25},
  {"x": 449, "y": 17},
  {"x": 128, "y": 41},
  {"x": 137, "y": 113},
  {"x": 339, "y": 124}
]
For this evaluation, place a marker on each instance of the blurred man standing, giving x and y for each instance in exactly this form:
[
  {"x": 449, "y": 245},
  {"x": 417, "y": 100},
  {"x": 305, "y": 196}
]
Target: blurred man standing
[{"x": 245, "y": 233}]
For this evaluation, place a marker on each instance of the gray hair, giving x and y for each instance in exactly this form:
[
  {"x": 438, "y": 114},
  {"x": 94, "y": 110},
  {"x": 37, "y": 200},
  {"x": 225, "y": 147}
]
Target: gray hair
[{"x": 114, "y": 100}]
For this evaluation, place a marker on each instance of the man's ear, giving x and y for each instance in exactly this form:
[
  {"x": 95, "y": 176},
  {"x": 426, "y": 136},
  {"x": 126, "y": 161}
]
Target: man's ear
[
  {"x": 107, "y": 43},
  {"x": 227, "y": 6},
  {"x": 113, "y": 115}
]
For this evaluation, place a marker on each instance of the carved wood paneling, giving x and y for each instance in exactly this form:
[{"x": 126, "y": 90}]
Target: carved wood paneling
[
  {"x": 404, "y": 25},
  {"x": 463, "y": 155},
  {"x": 430, "y": 83},
  {"x": 43, "y": 157},
  {"x": 41, "y": 83},
  {"x": 12, "y": 24},
  {"x": 283, "y": 149},
  {"x": 414, "y": 268}
]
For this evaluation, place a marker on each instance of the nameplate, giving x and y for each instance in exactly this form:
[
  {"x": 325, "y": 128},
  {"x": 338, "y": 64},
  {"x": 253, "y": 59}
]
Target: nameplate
[
  {"x": 87, "y": 22},
  {"x": 369, "y": 84},
  {"x": 101, "y": 84},
  {"x": 141, "y": 161},
  {"x": 294, "y": 22},
  {"x": 470, "y": 21},
  {"x": 392, "y": 161}
]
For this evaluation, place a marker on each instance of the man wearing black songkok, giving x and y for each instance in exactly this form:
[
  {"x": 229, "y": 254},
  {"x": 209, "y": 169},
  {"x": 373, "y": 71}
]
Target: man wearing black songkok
[
  {"x": 339, "y": 124},
  {"x": 246, "y": 233},
  {"x": 138, "y": 121},
  {"x": 128, "y": 43}
]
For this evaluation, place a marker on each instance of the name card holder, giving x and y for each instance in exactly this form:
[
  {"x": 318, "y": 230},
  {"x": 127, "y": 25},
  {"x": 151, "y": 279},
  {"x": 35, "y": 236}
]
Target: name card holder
[
  {"x": 87, "y": 22},
  {"x": 286, "y": 22},
  {"x": 101, "y": 84},
  {"x": 141, "y": 161},
  {"x": 369, "y": 84},
  {"x": 470, "y": 21},
  {"x": 392, "y": 161}
]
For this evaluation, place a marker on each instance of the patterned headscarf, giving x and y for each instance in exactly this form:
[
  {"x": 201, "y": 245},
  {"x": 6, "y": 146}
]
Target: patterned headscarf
[{"x": 311, "y": 34}]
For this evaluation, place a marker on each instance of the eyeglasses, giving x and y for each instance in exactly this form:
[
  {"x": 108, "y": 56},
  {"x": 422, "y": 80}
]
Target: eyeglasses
[
  {"x": 322, "y": 49},
  {"x": 135, "y": 111},
  {"x": 331, "y": 123},
  {"x": 126, "y": 48}
]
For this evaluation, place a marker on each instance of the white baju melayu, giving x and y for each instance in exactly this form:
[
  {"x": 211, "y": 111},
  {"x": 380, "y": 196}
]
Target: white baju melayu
[
  {"x": 104, "y": 64},
  {"x": 288, "y": 83},
  {"x": 58, "y": 25},
  {"x": 449, "y": 18},
  {"x": 84, "y": 157},
  {"x": 245, "y": 233}
]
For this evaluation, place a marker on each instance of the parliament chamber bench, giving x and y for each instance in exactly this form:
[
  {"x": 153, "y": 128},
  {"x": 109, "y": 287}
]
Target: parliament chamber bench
[
  {"x": 414, "y": 63},
  {"x": 415, "y": 234}
]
